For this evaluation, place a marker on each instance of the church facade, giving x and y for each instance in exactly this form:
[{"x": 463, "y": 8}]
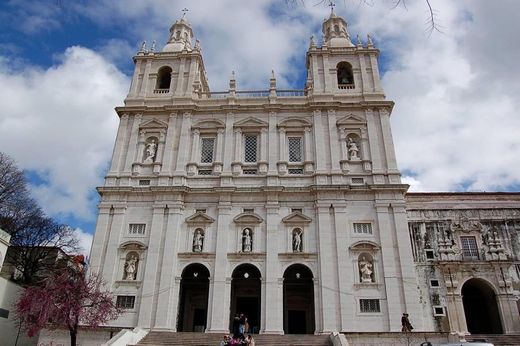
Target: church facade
[{"x": 288, "y": 206}]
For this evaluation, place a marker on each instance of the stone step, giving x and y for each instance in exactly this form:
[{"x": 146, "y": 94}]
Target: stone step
[
  {"x": 210, "y": 339},
  {"x": 496, "y": 339}
]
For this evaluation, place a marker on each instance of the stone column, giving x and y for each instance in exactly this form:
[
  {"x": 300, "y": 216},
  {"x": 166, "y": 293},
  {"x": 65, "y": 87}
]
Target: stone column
[
  {"x": 309, "y": 165},
  {"x": 132, "y": 144},
  {"x": 391, "y": 275},
  {"x": 237, "y": 162},
  {"x": 273, "y": 312},
  {"x": 363, "y": 68},
  {"x": 327, "y": 269},
  {"x": 117, "y": 155},
  {"x": 367, "y": 166},
  {"x": 272, "y": 144},
  {"x": 219, "y": 148},
  {"x": 373, "y": 130},
  {"x": 228, "y": 144},
  {"x": 101, "y": 236},
  {"x": 326, "y": 74},
  {"x": 184, "y": 141},
  {"x": 388, "y": 142},
  {"x": 111, "y": 262},
  {"x": 334, "y": 142},
  {"x": 166, "y": 317},
  {"x": 144, "y": 88},
  {"x": 375, "y": 73},
  {"x": 318, "y": 87},
  {"x": 282, "y": 163},
  {"x": 195, "y": 140},
  {"x": 319, "y": 143},
  {"x": 168, "y": 152},
  {"x": 148, "y": 302},
  {"x": 221, "y": 290},
  {"x": 262, "y": 164},
  {"x": 180, "y": 78},
  {"x": 135, "y": 78}
]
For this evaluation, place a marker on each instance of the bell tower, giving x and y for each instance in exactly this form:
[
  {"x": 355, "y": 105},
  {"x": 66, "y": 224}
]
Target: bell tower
[{"x": 341, "y": 68}]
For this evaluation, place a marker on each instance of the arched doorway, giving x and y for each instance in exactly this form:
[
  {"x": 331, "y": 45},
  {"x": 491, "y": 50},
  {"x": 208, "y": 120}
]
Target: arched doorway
[
  {"x": 246, "y": 295},
  {"x": 481, "y": 308},
  {"x": 193, "y": 302},
  {"x": 298, "y": 300}
]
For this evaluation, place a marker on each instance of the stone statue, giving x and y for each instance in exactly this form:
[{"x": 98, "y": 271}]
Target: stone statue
[
  {"x": 197, "y": 45},
  {"x": 246, "y": 241},
  {"x": 365, "y": 270},
  {"x": 152, "y": 49},
  {"x": 297, "y": 240},
  {"x": 131, "y": 268},
  {"x": 352, "y": 149},
  {"x": 198, "y": 240},
  {"x": 143, "y": 47},
  {"x": 151, "y": 149}
]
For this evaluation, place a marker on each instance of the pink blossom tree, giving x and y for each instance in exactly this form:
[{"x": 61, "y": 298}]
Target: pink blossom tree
[{"x": 66, "y": 299}]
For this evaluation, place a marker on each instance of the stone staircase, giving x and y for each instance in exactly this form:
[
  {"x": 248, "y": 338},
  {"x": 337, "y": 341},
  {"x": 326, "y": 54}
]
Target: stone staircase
[
  {"x": 209, "y": 339},
  {"x": 496, "y": 339}
]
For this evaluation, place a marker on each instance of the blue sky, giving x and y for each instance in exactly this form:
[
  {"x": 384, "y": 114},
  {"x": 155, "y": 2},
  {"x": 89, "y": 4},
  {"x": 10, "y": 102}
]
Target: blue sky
[{"x": 65, "y": 65}]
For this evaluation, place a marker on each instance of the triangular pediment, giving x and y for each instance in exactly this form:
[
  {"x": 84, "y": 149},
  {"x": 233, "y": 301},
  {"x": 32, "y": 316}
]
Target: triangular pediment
[
  {"x": 296, "y": 218},
  {"x": 154, "y": 124},
  {"x": 248, "y": 218},
  {"x": 199, "y": 218},
  {"x": 295, "y": 123},
  {"x": 350, "y": 120},
  {"x": 251, "y": 122},
  {"x": 209, "y": 124}
]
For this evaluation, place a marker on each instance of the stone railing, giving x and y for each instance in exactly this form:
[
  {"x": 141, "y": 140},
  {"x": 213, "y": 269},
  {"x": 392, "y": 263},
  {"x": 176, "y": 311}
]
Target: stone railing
[
  {"x": 251, "y": 94},
  {"x": 346, "y": 86},
  {"x": 161, "y": 91}
]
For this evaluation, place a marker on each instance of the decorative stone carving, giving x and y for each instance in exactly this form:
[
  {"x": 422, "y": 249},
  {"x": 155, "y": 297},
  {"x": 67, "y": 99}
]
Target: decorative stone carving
[
  {"x": 131, "y": 266},
  {"x": 297, "y": 240},
  {"x": 247, "y": 242},
  {"x": 353, "y": 150},
  {"x": 366, "y": 270},
  {"x": 150, "y": 151},
  {"x": 198, "y": 240}
]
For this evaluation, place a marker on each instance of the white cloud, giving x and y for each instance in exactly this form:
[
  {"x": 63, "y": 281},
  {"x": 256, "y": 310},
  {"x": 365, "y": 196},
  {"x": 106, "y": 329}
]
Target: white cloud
[
  {"x": 84, "y": 241},
  {"x": 60, "y": 123}
]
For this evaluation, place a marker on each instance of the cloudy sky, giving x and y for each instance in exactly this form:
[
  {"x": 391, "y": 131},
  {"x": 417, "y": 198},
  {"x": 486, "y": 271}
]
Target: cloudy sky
[{"x": 64, "y": 66}]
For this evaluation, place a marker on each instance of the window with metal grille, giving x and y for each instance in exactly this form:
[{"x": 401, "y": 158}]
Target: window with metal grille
[
  {"x": 363, "y": 228},
  {"x": 125, "y": 302},
  {"x": 469, "y": 247},
  {"x": 295, "y": 149},
  {"x": 295, "y": 171},
  {"x": 207, "y": 150},
  {"x": 249, "y": 171},
  {"x": 144, "y": 182},
  {"x": 369, "y": 305},
  {"x": 137, "y": 228},
  {"x": 358, "y": 181},
  {"x": 250, "y": 148},
  {"x": 205, "y": 172}
]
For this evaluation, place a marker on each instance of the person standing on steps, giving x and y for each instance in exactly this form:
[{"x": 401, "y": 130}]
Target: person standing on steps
[{"x": 406, "y": 326}]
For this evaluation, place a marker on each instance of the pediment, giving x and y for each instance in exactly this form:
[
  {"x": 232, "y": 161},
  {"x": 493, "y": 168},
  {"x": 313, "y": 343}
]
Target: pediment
[
  {"x": 295, "y": 123},
  {"x": 248, "y": 218},
  {"x": 351, "y": 120},
  {"x": 251, "y": 123},
  {"x": 209, "y": 125},
  {"x": 364, "y": 245},
  {"x": 199, "y": 218},
  {"x": 133, "y": 245},
  {"x": 296, "y": 218},
  {"x": 154, "y": 124}
]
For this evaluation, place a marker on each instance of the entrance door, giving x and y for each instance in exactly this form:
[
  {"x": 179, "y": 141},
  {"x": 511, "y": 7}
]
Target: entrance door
[
  {"x": 193, "y": 302},
  {"x": 298, "y": 300},
  {"x": 245, "y": 295},
  {"x": 481, "y": 308}
]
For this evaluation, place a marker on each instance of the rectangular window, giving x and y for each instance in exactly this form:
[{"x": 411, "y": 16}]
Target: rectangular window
[
  {"x": 144, "y": 182},
  {"x": 438, "y": 311},
  {"x": 125, "y": 302},
  {"x": 295, "y": 149},
  {"x": 430, "y": 255},
  {"x": 295, "y": 171},
  {"x": 369, "y": 305},
  {"x": 207, "y": 150},
  {"x": 250, "y": 148},
  {"x": 137, "y": 228},
  {"x": 249, "y": 210},
  {"x": 363, "y": 228},
  {"x": 4, "y": 313},
  {"x": 434, "y": 283},
  {"x": 469, "y": 247}
]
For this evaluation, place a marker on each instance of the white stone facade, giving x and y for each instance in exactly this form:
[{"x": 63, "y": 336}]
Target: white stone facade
[{"x": 288, "y": 204}]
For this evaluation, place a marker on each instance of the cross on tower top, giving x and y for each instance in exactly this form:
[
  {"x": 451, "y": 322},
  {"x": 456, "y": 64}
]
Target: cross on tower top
[
  {"x": 184, "y": 11},
  {"x": 331, "y": 5}
]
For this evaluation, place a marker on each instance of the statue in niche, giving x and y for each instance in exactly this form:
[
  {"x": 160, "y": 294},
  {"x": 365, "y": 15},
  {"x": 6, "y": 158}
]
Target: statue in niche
[
  {"x": 151, "y": 150},
  {"x": 246, "y": 240},
  {"x": 297, "y": 240},
  {"x": 131, "y": 268},
  {"x": 366, "y": 269},
  {"x": 352, "y": 149},
  {"x": 198, "y": 241}
]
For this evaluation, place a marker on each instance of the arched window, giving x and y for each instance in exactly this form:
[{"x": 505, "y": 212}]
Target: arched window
[
  {"x": 164, "y": 77},
  {"x": 345, "y": 76},
  {"x": 336, "y": 29}
]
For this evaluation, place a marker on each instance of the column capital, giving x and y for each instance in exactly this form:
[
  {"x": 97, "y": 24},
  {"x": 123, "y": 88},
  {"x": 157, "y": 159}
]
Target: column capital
[
  {"x": 172, "y": 116},
  {"x": 124, "y": 116}
]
